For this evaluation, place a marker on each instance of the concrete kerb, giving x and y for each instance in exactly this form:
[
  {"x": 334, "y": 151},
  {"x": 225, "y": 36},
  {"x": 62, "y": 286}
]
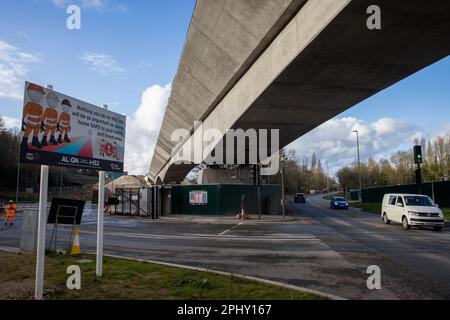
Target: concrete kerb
[
  {"x": 227, "y": 219},
  {"x": 10, "y": 250},
  {"x": 242, "y": 276}
]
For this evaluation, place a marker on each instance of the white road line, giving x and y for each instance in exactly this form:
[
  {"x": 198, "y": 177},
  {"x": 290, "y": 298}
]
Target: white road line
[
  {"x": 206, "y": 236},
  {"x": 228, "y": 230}
]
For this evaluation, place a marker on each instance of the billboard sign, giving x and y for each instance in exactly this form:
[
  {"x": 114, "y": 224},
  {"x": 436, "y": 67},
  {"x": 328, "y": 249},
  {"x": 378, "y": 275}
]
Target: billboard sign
[
  {"x": 198, "y": 198},
  {"x": 58, "y": 130}
]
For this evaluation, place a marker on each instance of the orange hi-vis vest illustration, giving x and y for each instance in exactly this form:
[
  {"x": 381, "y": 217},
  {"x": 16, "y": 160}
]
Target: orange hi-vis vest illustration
[
  {"x": 64, "y": 120},
  {"x": 50, "y": 117},
  {"x": 32, "y": 115}
]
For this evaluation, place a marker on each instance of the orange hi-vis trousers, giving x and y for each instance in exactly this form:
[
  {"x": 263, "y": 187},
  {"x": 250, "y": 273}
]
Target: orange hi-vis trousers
[{"x": 50, "y": 119}]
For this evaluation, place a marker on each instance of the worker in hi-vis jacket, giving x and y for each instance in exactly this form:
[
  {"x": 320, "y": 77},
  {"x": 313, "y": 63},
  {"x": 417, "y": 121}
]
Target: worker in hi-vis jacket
[{"x": 10, "y": 213}]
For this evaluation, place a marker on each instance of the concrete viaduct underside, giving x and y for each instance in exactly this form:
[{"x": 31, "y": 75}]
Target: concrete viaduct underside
[{"x": 292, "y": 64}]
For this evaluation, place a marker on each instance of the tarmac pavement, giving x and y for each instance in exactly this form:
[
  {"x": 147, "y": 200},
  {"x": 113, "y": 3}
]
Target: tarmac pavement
[{"x": 317, "y": 248}]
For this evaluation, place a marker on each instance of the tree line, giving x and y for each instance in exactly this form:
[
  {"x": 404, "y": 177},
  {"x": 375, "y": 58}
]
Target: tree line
[
  {"x": 304, "y": 174},
  {"x": 400, "y": 167}
]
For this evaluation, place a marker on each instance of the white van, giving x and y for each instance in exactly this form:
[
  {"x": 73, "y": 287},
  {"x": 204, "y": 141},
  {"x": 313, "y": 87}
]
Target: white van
[{"x": 412, "y": 210}]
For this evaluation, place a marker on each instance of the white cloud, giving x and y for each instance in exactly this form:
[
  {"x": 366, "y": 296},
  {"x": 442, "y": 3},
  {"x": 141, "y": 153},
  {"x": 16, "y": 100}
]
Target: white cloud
[
  {"x": 334, "y": 141},
  {"x": 144, "y": 65},
  {"x": 101, "y": 63},
  {"x": 143, "y": 129},
  {"x": 14, "y": 65},
  {"x": 60, "y": 3},
  {"x": 11, "y": 123},
  {"x": 98, "y": 5},
  {"x": 88, "y": 4}
]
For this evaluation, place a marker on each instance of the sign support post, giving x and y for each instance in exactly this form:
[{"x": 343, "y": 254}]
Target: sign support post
[
  {"x": 42, "y": 222},
  {"x": 101, "y": 213},
  {"x": 42, "y": 228},
  {"x": 101, "y": 209}
]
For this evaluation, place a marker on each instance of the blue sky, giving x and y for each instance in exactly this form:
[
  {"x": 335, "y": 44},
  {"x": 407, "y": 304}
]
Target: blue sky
[
  {"x": 127, "y": 53},
  {"x": 422, "y": 98},
  {"x": 145, "y": 38}
]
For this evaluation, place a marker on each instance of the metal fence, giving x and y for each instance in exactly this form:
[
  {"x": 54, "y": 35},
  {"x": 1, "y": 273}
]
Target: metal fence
[
  {"x": 439, "y": 191},
  {"x": 134, "y": 202}
]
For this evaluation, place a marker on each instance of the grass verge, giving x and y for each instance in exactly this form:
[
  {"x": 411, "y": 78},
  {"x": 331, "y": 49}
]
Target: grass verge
[
  {"x": 446, "y": 212},
  {"x": 130, "y": 280},
  {"x": 371, "y": 207}
]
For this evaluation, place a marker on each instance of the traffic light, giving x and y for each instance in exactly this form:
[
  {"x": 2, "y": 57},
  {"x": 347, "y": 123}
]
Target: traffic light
[{"x": 418, "y": 155}]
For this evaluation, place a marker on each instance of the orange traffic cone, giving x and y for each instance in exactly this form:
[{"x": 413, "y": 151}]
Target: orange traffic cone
[
  {"x": 76, "y": 243},
  {"x": 243, "y": 216}
]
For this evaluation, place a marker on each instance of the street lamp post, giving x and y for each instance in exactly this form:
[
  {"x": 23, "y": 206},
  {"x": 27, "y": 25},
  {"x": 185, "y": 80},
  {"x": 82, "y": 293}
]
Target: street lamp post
[
  {"x": 60, "y": 182},
  {"x": 359, "y": 165},
  {"x": 258, "y": 186},
  {"x": 18, "y": 171},
  {"x": 283, "y": 202}
]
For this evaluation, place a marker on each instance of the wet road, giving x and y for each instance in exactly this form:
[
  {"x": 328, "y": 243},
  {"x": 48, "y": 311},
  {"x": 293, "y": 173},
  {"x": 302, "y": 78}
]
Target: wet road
[{"x": 324, "y": 249}]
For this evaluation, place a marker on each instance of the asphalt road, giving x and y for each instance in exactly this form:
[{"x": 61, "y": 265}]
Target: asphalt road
[{"x": 324, "y": 249}]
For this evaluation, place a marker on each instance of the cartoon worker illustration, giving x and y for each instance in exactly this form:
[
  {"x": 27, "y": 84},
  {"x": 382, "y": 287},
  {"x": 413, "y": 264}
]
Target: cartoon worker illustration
[
  {"x": 63, "y": 125},
  {"x": 50, "y": 119},
  {"x": 32, "y": 115}
]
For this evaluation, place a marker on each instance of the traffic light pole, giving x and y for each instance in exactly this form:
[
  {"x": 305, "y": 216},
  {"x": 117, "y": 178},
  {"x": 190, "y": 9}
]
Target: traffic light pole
[
  {"x": 258, "y": 181},
  {"x": 283, "y": 202},
  {"x": 418, "y": 159},
  {"x": 419, "y": 179}
]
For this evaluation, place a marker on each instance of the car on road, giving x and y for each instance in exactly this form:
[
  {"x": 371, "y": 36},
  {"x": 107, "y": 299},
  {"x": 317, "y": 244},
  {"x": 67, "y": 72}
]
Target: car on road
[
  {"x": 338, "y": 203},
  {"x": 299, "y": 198},
  {"x": 412, "y": 210}
]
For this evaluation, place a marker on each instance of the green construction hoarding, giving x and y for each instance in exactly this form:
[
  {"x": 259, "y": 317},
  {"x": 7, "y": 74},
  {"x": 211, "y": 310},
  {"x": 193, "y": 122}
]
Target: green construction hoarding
[{"x": 225, "y": 199}]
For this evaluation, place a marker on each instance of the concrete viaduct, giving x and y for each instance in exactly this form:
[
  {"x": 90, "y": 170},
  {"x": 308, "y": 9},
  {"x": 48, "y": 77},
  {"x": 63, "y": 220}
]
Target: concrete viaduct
[{"x": 292, "y": 64}]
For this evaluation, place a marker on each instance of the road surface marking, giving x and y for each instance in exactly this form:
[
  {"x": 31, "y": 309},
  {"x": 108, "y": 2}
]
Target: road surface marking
[
  {"x": 228, "y": 230},
  {"x": 205, "y": 236}
]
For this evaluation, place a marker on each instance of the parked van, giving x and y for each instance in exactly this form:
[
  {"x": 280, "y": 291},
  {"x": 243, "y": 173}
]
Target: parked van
[{"x": 411, "y": 210}]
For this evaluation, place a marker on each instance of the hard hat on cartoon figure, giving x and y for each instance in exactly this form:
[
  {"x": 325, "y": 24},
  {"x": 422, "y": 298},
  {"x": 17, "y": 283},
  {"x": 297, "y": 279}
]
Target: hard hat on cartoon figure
[
  {"x": 64, "y": 121},
  {"x": 50, "y": 119},
  {"x": 66, "y": 105},
  {"x": 35, "y": 93},
  {"x": 32, "y": 114}
]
